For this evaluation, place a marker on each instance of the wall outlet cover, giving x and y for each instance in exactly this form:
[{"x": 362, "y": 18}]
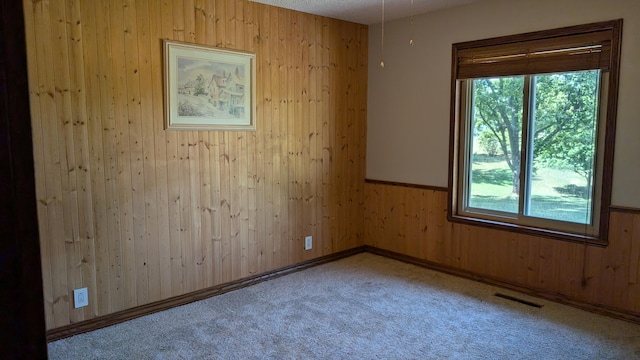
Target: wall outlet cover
[
  {"x": 308, "y": 242},
  {"x": 80, "y": 298}
]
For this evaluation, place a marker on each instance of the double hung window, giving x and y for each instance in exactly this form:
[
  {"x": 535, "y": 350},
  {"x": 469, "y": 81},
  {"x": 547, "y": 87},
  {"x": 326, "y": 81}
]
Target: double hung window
[{"x": 533, "y": 122}]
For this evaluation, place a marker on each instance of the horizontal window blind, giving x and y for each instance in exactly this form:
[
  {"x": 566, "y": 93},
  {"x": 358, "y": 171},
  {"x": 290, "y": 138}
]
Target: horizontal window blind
[{"x": 559, "y": 51}]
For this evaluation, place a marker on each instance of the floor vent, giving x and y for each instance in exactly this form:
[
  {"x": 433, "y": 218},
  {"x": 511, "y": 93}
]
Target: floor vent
[{"x": 528, "y": 303}]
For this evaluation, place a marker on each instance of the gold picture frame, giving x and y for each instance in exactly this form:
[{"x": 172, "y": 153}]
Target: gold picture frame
[{"x": 208, "y": 88}]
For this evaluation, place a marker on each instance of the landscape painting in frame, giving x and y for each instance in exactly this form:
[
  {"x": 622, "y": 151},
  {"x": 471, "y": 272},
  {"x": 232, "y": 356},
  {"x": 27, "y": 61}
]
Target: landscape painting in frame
[{"x": 208, "y": 88}]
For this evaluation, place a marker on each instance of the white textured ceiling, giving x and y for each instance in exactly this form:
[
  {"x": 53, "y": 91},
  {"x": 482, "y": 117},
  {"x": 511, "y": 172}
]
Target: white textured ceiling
[{"x": 365, "y": 11}]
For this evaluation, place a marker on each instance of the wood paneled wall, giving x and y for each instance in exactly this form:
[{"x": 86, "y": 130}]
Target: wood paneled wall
[
  {"x": 139, "y": 214},
  {"x": 413, "y": 221}
]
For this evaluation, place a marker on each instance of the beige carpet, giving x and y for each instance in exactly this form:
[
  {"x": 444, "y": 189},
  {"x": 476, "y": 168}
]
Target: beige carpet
[{"x": 362, "y": 307}]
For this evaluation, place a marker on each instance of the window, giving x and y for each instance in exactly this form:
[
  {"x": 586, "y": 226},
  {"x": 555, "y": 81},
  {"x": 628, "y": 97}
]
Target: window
[{"x": 532, "y": 135}]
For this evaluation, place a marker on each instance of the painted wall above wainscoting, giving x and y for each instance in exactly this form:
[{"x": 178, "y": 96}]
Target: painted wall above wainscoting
[
  {"x": 138, "y": 214},
  {"x": 409, "y": 99}
]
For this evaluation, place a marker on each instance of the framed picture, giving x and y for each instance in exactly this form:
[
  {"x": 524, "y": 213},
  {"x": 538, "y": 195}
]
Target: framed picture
[{"x": 208, "y": 88}]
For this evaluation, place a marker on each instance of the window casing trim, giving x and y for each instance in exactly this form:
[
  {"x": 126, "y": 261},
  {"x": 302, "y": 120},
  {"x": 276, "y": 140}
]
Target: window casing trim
[{"x": 605, "y": 157}]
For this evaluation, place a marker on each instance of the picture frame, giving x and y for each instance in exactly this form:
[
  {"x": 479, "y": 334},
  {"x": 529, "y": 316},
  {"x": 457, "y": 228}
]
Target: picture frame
[{"x": 208, "y": 88}]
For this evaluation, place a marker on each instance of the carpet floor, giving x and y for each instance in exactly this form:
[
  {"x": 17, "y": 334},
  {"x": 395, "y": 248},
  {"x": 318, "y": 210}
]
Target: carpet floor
[{"x": 362, "y": 307}]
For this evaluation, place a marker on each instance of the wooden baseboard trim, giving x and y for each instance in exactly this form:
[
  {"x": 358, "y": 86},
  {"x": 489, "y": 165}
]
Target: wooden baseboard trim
[
  {"x": 139, "y": 311},
  {"x": 547, "y": 295},
  {"x": 136, "y": 312}
]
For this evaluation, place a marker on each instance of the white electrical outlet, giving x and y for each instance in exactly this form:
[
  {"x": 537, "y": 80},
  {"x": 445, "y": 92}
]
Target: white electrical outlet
[
  {"x": 308, "y": 242},
  {"x": 80, "y": 298}
]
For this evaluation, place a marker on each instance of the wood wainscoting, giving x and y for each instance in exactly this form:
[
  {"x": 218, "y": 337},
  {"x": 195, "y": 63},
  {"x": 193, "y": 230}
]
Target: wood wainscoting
[
  {"x": 138, "y": 214},
  {"x": 412, "y": 221},
  {"x": 165, "y": 304}
]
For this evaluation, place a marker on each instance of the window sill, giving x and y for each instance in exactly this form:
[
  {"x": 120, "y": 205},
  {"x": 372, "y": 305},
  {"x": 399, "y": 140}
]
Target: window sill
[{"x": 528, "y": 230}]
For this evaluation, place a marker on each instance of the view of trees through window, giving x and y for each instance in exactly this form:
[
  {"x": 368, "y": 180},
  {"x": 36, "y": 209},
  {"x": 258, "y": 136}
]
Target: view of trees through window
[{"x": 560, "y": 112}]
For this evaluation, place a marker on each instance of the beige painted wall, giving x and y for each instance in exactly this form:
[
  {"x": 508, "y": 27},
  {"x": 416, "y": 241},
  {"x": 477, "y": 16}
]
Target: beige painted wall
[{"x": 408, "y": 99}]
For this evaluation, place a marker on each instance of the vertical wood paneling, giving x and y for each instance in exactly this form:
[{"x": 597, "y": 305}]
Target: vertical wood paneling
[
  {"x": 51, "y": 194},
  {"x": 159, "y": 158},
  {"x": 328, "y": 127},
  {"x": 264, "y": 154},
  {"x": 67, "y": 162},
  {"x": 150, "y": 183},
  {"x": 634, "y": 267},
  {"x": 139, "y": 214},
  {"x": 106, "y": 130},
  {"x": 617, "y": 263},
  {"x": 169, "y": 30},
  {"x": 78, "y": 91},
  {"x": 340, "y": 57},
  {"x": 280, "y": 248},
  {"x": 634, "y": 262},
  {"x": 254, "y": 259},
  {"x": 317, "y": 134},
  {"x": 136, "y": 170},
  {"x": 35, "y": 91},
  {"x": 124, "y": 245},
  {"x": 305, "y": 113},
  {"x": 213, "y": 264},
  {"x": 291, "y": 84},
  {"x": 534, "y": 262},
  {"x": 181, "y": 33}
]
